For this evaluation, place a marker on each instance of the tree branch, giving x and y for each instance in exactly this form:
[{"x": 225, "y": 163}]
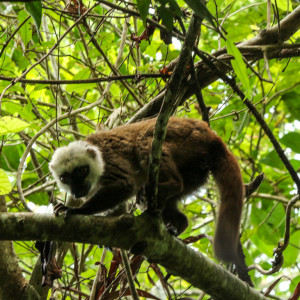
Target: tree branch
[
  {"x": 144, "y": 234},
  {"x": 168, "y": 107},
  {"x": 231, "y": 82},
  {"x": 252, "y": 50},
  {"x": 14, "y": 285},
  {"x": 134, "y": 77}
]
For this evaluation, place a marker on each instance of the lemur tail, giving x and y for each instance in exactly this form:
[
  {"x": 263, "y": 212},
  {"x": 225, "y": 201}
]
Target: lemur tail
[{"x": 228, "y": 177}]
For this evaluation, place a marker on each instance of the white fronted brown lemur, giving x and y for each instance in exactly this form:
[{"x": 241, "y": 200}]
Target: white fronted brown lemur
[{"x": 109, "y": 167}]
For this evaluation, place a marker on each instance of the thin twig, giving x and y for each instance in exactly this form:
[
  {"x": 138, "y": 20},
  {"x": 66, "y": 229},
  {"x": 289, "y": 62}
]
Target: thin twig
[
  {"x": 111, "y": 66},
  {"x": 134, "y": 77},
  {"x": 290, "y": 205},
  {"x": 46, "y": 55},
  {"x": 136, "y": 14},
  {"x": 258, "y": 117},
  {"x": 11, "y": 37},
  {"x": 98, "y": 276},
  {"x": 129, "y": 275},
  {"x": 204, "y": 109}
]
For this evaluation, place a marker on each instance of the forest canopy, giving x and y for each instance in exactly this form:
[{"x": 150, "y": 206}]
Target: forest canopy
[{"x": 70, "y": 68}]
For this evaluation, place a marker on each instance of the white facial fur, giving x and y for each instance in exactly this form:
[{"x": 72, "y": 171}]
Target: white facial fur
[{"x": 76, "y": 154}]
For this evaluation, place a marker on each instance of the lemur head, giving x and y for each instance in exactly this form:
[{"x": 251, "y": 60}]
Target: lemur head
[{"x": 77, "y": 168}]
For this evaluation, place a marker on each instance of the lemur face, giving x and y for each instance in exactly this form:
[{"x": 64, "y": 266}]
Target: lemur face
[
  {"x": 77, "y": 168},
  {"x": 76, "y": 180}
]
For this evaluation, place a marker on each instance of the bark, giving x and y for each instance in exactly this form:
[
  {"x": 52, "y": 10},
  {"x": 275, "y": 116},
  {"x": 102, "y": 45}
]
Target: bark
[
  {"x": 13, "y": 284},
  {"x": 145, "y": 235}
]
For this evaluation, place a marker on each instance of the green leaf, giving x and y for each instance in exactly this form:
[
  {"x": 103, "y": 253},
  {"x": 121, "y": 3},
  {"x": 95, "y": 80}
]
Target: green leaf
[
  {"x": 272, "y": 159},
  {"x": 83, "y": 74},
  {"x": 21, "y": 61},
  {"x": 292, "y": 140},
  {"x": 175, "y": 8},
  {"x": 108, "y": 40},
  {"x": 266, "y": 227},
  {"x": 239, "y": 66},
  {"x": 35, "y": 10},
  {"x": 39, "y": 87},
  {"x": 5, "y": 186},
  {"x": 11, "y": 125},
  {"x": 257, "y": 240},
  {"x": 166, "y": 16},
  {"x": 294, "y": 283},
  {"x": 282, "y": 4},
  {"x": 80, "y": 88},
  {"x": 25, "y": 31},
  {"x": 295, "y": 163},
  {"x": 201, "y": 10},
  {"x": 25, "y": 112},
  {"x": 291, "y": 103},
  {"x": 143, "y": 7},
  {"x": 292, "y": 252}
]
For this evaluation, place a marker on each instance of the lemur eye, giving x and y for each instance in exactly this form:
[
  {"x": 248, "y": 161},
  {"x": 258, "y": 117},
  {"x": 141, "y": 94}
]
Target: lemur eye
[{"x": 64, "y": 178}]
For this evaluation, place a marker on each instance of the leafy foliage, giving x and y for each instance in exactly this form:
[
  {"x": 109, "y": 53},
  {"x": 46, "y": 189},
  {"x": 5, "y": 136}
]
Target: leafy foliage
[{"x": 120, "y": 40}]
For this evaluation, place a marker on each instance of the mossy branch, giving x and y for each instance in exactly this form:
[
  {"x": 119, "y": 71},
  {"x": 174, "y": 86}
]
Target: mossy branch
[
  {"x": 145, "y": 234},
  {"x": 169, "y": 105}
]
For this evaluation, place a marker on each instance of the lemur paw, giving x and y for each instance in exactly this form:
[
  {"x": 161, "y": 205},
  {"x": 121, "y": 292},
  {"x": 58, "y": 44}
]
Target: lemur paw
[
  {"x": 172, "y": 229},
  {"x": 60, "y": 208}
]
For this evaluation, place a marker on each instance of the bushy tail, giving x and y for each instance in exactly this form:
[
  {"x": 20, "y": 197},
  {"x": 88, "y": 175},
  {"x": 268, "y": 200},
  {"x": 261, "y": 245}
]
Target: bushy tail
[{"x": 228, "y": 177}]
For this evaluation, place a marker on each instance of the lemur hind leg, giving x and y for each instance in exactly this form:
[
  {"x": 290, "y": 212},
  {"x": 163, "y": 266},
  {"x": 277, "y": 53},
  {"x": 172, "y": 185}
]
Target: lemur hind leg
[
  {"x": 175, "y": 221},
  {"x": 170, "y": 188}
]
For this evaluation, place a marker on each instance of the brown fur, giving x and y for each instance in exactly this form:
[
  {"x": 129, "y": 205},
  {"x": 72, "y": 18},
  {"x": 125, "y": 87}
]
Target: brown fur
[{"x": 191, "y": 150}]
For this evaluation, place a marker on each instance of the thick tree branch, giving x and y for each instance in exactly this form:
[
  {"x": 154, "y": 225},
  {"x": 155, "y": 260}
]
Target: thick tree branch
[
  {"x": 168, "y": 107},
  {"x": 266, "y": 41},
  {"x": 13, "y": 284},
  {"x": 288, "y": 26},
  {"x": 206, "y": 77},
  {"x": 144, "y": 234}
]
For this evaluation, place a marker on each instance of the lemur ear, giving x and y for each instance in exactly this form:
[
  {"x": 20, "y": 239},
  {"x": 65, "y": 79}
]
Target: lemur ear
[{"x": 91, "y": 152}]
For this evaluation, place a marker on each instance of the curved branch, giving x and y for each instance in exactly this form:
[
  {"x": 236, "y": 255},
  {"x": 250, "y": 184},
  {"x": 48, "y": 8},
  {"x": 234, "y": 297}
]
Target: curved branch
[
  {"x": 206, "y": 76},
  {"x": 288, "y": 26},
  {"x": 290, "y": 205}
]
